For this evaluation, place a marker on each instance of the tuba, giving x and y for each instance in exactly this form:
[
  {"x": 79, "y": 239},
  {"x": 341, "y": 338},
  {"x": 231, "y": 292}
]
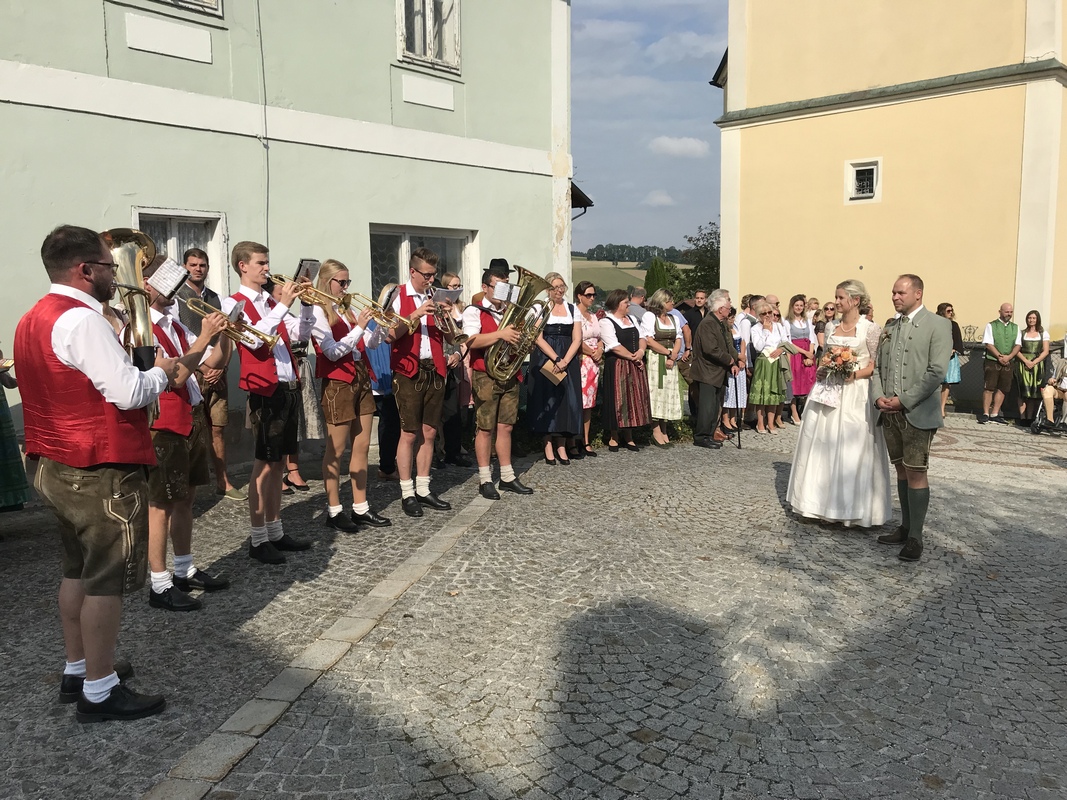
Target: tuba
[
  {"x": 132, "y": 251},
  {"x": 502, "y": 359}
]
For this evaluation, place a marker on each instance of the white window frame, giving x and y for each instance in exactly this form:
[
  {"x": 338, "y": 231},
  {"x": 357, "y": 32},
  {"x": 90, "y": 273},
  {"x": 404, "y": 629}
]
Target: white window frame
[
  {"x": 852, "y": 168},
  {"x": 469, "y": 272},
  {"x": 218, "y": 249},
  {"x": 211, "y": 7},
  {"x": 427, "y": 60}
]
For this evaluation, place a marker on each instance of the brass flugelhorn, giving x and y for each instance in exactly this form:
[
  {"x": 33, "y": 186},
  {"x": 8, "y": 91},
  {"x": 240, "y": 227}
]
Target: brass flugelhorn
[
  {"x": 381, "y": 311},
  {"x": 239, "y": 332},
  {"x": 446, "y": 322},
  {"x": 309, "y": 294}
]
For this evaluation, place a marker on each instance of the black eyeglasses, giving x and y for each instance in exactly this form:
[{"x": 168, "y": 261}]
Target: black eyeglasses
[
  {"x": 341, "y": 283},
  {"x": 589, "y": 294},
  {"x": 427, "y": 275},
  {"x": 109, "y": 264}
]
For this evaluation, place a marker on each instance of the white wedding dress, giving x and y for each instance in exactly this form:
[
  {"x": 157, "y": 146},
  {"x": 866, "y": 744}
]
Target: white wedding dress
[{"x": 841, "y": 470}]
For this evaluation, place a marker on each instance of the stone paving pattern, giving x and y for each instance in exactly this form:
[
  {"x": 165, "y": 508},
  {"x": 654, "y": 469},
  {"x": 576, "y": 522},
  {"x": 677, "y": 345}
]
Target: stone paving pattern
[{"x": 649, "y": 624}]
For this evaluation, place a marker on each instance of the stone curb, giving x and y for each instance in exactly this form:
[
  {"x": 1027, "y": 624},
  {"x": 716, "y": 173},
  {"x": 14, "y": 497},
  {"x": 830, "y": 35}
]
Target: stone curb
[{"x": 209, "y": 762}]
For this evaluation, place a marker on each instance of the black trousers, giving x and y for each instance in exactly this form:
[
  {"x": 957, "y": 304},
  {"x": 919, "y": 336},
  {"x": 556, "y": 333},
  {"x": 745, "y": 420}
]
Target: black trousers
[
  {"x": 709, "y": 406},
  {"x": 388, "y": 431},
  {"x": 451, "y": 419}
]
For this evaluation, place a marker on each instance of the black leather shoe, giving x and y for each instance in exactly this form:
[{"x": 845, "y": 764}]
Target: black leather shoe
[
  {"x": 899, "y": 536},
  {"x": 266, "y": 552},
  {"x": 70, "y": 688},
  {"x": 711, "y": 444},
  {"x": 411, "y": 507},
  {"x": 121, "y": 704},
  {"x": 371, "y": 519},
  {"x": 341, "y": 523},
  {"x": 631, "y": 447},
  {"x": 913, "y": 550},
  {"x": 613, "y": 448},
  {"x": 589, "y": 453},
  {"x": 488, "y": 491},
  {"x": 201, "y": 580},
  {"x": 433, "y": 501},
  {"x": 173, "y": 599},
  {"x": 515, "y": 486},
  {"x": 287, "y": 542}
]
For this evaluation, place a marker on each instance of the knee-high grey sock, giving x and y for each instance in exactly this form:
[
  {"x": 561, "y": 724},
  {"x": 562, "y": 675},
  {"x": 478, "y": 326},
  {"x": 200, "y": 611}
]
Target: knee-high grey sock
[
  {"x": 905, "y": 514},
  {"x": 918, "y": 502}
]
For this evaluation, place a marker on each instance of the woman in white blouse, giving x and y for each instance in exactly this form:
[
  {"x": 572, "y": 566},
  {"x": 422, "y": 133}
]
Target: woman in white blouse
[
  {"x": 663, "y": 338},
  {"x": 346, "y": 397},
  {"x": 626, "y": 401}
]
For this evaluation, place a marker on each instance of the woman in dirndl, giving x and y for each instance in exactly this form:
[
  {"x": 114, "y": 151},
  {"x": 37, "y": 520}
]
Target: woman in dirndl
[
  {"x": 1030, "y": 365},
  {"x": 554, "y": 409},
  {"x": 802, "y": 363},
  {"x": 626, "y": 400},
  {"x": 768, "y": 388},
  {"x": 952, "y": 376},
  {"x": 663, "y": 338},
  {"x": 592, "y": 357}
]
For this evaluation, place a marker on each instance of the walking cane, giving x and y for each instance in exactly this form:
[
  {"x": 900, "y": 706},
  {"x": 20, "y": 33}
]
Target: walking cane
[{"x": 741, "y": 420}]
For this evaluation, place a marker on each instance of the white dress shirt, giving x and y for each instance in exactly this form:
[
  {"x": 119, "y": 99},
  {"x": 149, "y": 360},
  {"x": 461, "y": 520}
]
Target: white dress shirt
[
  {"x": 648, "y": 326},
  {"x": 472, "y": 317},
  {"x": 424, "y": 329},
  {"x": 336, "y": 349},
  {"x": 607, "y": 331},
  {"x": 299, "y": 328},
  {"x": 174, "y": 330},
  {"x": 763, "y": 338},
  {"x": 83, "y": 340}
]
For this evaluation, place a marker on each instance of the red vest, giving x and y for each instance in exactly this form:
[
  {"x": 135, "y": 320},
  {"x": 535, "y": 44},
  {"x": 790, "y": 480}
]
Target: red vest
[
  {"x": 405, "y": 351},
  {"x": 346, "y": 367},
  {"x": 175, "y": 410},
  {"x": 489, "y": 325},
  {"x": 66, "y": 418},
  {"x": 259, "y": 372}
]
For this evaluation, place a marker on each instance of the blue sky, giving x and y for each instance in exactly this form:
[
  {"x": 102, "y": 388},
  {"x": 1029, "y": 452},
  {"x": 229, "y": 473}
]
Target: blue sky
[{"x": 645, "y": 145}]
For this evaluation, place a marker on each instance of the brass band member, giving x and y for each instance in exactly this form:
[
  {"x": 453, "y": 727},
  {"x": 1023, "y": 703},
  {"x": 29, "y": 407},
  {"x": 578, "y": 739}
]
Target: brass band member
[
  {"x": 496, "y": 404},
  {"x": 182, "y": 443},
  {"x": 419, "y": 371},
  {"x": 83, "y": 405},
  {"x": 340, "y": 339},
  {"x": 269, "y": 376}
]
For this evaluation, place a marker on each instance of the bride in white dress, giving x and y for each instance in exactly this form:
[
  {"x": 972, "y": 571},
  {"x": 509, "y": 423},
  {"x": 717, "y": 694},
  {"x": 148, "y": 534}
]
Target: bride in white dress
[{"x": 840, "y": 466}]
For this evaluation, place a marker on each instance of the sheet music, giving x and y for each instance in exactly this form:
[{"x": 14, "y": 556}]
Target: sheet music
[{"x": 168, "y": 278}]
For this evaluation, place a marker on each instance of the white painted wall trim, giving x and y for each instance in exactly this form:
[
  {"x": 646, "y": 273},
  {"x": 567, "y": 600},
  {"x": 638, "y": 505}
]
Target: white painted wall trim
[
  {"x": 562, "y": 168},
  {"x": 428, "y": 92},
  {"x": 1044, "y": 24},
  {"x": 45, "y": 87},
  {"x": 1042, "y": 137},
  {"x": 730, "y": 215},
  {"x": 737, "y": 44},
  {"x": 163, "y": 37}
]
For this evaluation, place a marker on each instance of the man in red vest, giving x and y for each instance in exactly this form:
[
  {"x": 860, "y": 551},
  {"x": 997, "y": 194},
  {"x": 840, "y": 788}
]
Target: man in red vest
[
  {"x": 182, "y": 444},
  {"x": 83, "y": 406},
  {"x": 496, "y": 404},
  {"x": 419, "y": 370},
  {"x": 269, "y": 376}
]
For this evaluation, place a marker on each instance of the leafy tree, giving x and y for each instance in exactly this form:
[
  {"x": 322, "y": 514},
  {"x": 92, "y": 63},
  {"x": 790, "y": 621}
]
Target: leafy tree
[
  {"x": 704, "y": 252},
  {"x": 663, "y": 274}
]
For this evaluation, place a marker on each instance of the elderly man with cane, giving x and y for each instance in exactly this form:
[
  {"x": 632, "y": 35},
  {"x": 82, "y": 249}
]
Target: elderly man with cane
[{"x": 714, "y": 360}]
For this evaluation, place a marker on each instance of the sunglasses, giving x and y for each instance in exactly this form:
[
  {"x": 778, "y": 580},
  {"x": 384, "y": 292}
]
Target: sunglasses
[
  {"x": 342, "y": 284},
  {"x": 589, "y": 294}
]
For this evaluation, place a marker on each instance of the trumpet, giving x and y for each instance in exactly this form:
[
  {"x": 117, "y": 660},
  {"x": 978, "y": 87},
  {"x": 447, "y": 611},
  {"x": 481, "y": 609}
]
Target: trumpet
[
  {"x": 381, "y": 311},
  {"x": 446, "y": 322},
  {"x": 309, "y": 294},
  {"x": 239, "y": 332}
]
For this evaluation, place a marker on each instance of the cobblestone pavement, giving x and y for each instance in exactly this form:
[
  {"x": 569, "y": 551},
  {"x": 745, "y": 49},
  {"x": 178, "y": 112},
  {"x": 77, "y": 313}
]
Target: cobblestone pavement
[{"x": 649, "y": 625}]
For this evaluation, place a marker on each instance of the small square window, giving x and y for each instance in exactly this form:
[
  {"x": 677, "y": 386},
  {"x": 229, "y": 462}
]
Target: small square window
[
  {"x": 863, "y": 181},
  {"x": 430, "y": 32}
]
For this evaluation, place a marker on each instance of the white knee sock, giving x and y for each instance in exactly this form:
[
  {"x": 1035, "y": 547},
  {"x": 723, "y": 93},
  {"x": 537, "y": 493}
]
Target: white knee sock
[
  {"x": 98, "y": 691},
  {"x": 274, "y": 530},
  {"x": 485, "y": 474},
  {"x": 407, "y": 488},
  {"x": 259, "y": 536},
  {"x": 361, "y": 508},
  {"x": 333, "y": 511},
  {"x": 422, "y": 485},
  {"x": 75, "y": 668},
  {"x": 161, "y": 581},
  {"x": 183, "y": 566},
  {"x": 507, "y": 473}
]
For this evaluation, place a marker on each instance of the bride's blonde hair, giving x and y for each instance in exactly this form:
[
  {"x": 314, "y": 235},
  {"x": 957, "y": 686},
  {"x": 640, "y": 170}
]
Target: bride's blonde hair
[{"x": 857, "y": 291}]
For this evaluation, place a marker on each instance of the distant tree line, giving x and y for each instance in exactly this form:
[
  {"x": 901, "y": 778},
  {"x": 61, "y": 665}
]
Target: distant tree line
[{"x": 621, "y": 253}]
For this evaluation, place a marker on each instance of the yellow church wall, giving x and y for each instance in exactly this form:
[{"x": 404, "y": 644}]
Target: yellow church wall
[
  {"x": 801, "y": 50},
  {"x": 1056, "y": 324},
  {"x": 949, "y": 207}
]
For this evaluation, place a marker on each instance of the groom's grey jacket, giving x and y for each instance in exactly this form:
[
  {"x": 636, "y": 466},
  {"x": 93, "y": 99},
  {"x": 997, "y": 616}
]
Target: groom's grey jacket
[{"x": 912, "y": 360}]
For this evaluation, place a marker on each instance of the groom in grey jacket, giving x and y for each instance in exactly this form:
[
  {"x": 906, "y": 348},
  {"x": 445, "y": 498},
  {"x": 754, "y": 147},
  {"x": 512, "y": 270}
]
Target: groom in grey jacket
[{"x": 913, "y": 354}]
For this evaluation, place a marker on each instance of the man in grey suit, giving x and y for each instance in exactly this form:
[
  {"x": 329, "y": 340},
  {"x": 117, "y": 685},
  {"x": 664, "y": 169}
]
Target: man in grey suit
[
  {"x": 714, "y": 361},
  {"x": 913, "y": 354}
]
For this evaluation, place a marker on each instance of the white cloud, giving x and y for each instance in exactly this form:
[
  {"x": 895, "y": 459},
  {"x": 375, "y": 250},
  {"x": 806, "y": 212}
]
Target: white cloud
[
  {"x": 606, "y": 30},
  {"x": 685, "y": 46},
  {"x": 679, "y": 147},
  {"x": 658, "y": 199}
]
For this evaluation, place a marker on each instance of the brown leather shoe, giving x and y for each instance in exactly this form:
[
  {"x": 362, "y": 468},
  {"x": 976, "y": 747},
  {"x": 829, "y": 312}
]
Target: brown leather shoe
[
  {"x": 718, "y": 436},
  {"x": 899, "y": 536},
  {"x": 913, "y": 550}
]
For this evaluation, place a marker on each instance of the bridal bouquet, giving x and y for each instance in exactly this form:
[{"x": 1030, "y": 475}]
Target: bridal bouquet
[{"x": 836, "y": 364}]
